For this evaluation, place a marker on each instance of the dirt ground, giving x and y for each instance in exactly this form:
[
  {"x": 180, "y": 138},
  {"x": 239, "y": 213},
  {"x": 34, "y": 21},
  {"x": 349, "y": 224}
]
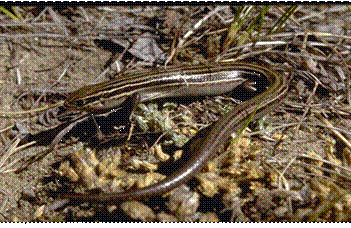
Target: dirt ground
[{"x": 291, "y": 165}]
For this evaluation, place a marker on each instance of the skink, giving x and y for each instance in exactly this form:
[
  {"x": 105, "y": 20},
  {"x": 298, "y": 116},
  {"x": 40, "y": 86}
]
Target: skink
[
  {"x": 161, "y": 83},
  {"x": 195, "y": 80}
]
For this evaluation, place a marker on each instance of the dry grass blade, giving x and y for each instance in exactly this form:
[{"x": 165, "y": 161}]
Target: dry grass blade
[
  {"x": 57, "y": 20},
  {"x": 17, "y": 12},
  {"x": 13, "y": 149},
  {"x": 32, "y": 111},
  {"x": 190, "y": 32},
  {"x": 9, "y": 152},
  {"x": 327, "y": 162}
]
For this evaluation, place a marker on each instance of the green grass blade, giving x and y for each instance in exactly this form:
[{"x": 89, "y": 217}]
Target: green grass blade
[
  {"x": 277, "y": 26},
  {"x": 8, "y": 13}
]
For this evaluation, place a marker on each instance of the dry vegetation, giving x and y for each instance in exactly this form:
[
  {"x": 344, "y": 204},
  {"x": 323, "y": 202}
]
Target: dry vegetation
[{"x": 292, "y": 165}]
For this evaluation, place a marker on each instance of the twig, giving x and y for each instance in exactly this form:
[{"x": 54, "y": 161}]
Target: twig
[
  {"x": 335, "y": 132},
  {"x": 31, "y": 111},
  {"x": 307, "y": 107}
]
